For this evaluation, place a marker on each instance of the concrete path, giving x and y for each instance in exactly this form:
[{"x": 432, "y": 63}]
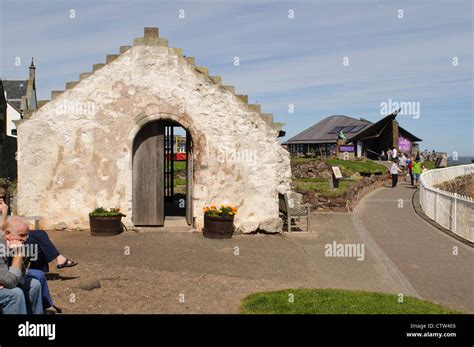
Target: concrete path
[
  {"x": 183, "y": 272},
  {"x": 423, "y": 260}
]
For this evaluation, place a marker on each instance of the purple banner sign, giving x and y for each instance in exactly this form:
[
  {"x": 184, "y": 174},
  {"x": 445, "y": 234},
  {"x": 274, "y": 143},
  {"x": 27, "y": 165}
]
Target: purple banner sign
[
  {"x": 346, "y": 148},
  {"x": 404, "y": 144}
]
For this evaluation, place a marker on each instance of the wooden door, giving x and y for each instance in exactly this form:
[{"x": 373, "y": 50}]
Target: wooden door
[
  {"x": 148, "y": 172},
  {"x": 189, "y": 179}
]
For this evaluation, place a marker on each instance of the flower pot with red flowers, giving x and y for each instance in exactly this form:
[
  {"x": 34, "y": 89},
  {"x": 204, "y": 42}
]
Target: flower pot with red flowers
[
  {"x": 219, "y": 222},
  {"x": 106, "y": 222}
]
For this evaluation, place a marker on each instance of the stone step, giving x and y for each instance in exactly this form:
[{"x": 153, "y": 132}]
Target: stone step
[
  {"x": 244, "y": 98},
  {"x": 98, "y": 66},
  {"x": 151, "y": 41},
  {"x": 27, "y": 114},
  {"x": 151, "y": 37},
  {"x": 41, "y": 103},
  {"x": 123, "y": 49},
  {"x": 110, "y": 58},
  {"x": 230, "y": 89},
  {"x": 202, "y": 69},
  {"x": 84, "y": 75},
  {"x": 254, "y": 107},
  {"x": 70, "y": 85},
  {"x": 151, "y": 32},
  {"x": 216, "y": 79},
  {"x": 166, "y": 229},
  {"x": 56, "y": 93},
  {"x": 277, "y": 126},
  {"x": 190, "y": 60},
  {"x": 267, "y": 117},
  {"x": 179, "y": 51}
]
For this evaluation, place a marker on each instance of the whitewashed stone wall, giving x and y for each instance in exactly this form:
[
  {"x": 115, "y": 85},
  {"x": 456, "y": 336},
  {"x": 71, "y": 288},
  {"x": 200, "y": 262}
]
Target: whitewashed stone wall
[{"x": 75, "y": 152}]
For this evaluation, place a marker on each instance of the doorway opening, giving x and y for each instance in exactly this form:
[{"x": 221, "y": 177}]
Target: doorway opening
[{"x": 162, "y": 175}]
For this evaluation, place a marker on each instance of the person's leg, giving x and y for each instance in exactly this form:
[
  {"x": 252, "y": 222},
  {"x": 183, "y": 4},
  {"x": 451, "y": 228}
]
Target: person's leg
[
  {"x": 46, "y": 296},
  {"x": 411, "y": 177},
  {"x": 32, "y": 290},
  {"x": 47, "y": 247},
  {"x": 393, "y": 180},
  {"x": 12, "y": 301},
  {"x": 40, "y": 263},
  {"x": 49, "y": 251}
]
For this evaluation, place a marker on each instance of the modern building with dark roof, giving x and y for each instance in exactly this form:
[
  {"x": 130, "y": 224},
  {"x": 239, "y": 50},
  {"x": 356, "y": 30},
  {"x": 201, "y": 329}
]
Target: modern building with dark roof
[{"x": 362, "y": 137}]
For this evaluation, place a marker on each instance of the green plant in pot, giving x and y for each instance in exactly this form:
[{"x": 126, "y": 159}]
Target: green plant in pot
[
  {"x": 219, "y": 222},
  {"x": 105, "y": 222}
]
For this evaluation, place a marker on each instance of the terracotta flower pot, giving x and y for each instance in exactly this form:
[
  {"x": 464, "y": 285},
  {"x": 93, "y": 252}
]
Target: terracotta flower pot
[{"x": 218, "y": 227}]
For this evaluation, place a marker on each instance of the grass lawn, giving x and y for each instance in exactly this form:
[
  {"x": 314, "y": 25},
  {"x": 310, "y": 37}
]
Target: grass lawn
[
  {"x": 430, "y": 164},
  {"x": 179, "y": 182},
  {"x": 322, "y": 185},
  {"x": 366, "y": 166},
  {"x": 179, "y": 165},
  {"x": 336, "y": 301}
]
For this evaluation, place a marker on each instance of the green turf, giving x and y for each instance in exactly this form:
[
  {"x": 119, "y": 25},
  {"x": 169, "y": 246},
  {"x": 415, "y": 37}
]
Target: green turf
[
  {"x": 179, "y": 182},
  {"x": 336, "y": 301},
  {"x": 430, "y": 164},
  {"x": 366, "y": 166},
  {"x": 322, "y": 185},
  {"x": 179, "y": 166}
]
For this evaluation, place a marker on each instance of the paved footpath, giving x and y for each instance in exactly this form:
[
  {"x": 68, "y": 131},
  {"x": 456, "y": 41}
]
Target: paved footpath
[
  {"x": 424, "y": 261},
  {"x": 183, "y": 272}
]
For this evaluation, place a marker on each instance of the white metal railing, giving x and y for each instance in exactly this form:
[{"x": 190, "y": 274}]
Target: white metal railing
[{"x": 451, "y": 210}]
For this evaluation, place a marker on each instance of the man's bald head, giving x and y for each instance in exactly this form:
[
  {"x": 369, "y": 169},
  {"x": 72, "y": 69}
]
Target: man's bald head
[{"x": 16, "y": 228}]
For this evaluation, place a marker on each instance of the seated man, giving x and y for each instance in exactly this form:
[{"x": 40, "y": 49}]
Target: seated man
[
  {"x": 19, "y": 294},
  {"x": 47, "y": 250}
]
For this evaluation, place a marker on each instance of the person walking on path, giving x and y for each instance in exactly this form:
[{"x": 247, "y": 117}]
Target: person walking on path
[
  {"x": 410, "y": 169},
  {"x": 417, "y": 170},
  {"x": 403, "y": 165},
  {"x": 394, "y": 153},
  {"x": 389, "y": 154},
  {"x": 394, "y": 170}
]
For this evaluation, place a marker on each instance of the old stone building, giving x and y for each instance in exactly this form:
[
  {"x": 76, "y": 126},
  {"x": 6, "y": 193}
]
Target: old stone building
[{"x": 102, "y": 142}]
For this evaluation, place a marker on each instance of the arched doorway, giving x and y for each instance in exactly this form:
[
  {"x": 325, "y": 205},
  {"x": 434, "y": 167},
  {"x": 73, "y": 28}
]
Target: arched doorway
[{"x": 162, "y": 174}]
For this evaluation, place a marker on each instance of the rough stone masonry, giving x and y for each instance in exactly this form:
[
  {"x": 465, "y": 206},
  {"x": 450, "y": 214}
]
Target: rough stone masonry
[{"x": 75, "y": 151}]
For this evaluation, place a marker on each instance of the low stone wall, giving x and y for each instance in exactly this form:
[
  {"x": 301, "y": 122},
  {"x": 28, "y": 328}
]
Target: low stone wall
[
  {"x": 348, "y": 201},
  {"x": 367, "y": 185},
  {"x": 310, "y": 169}
]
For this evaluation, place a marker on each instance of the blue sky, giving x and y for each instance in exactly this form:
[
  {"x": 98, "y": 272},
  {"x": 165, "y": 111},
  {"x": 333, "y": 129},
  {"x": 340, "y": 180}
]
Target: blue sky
[{"x": 282, "y": 61}]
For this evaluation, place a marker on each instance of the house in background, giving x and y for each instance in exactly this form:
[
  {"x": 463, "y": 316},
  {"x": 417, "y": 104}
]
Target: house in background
[
  {"x": 363, "y": 138},
  {"x": 17, "y": 97},
  {"x": 321, "y": 138}
]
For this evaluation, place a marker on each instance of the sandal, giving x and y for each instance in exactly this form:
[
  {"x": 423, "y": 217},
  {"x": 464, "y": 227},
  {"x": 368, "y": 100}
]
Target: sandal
[
  {"x": 53, "y": 310},
  {"x": 67, "y": 263}
]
